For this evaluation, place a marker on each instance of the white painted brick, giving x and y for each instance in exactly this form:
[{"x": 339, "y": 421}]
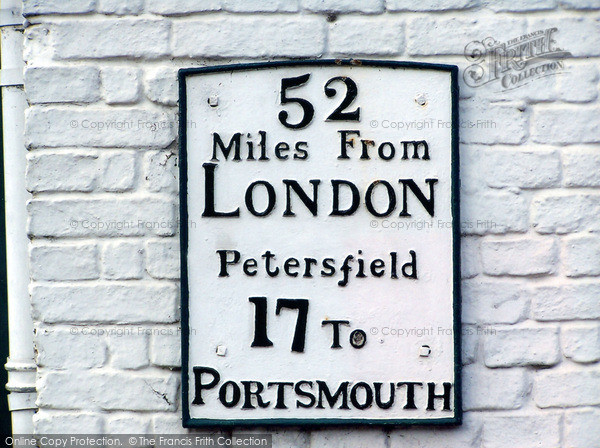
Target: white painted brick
[
  {"x": 331, "y": 438},
  {"x": 162, "y": 171},
  {"x": 567, "y": 388},
  {"x": 519, "y": 257},
  {"x": 527, "y": 431},
  {"x": 52, "y": 127},
  {"x": 470, "y": 264},
  {"x": 108, "y": 391},
  {"x": 101, "y": 217},
  {"x": 124, "y": 303},
  {"x": 538, "y": 90},
  {"x": 128, "y": 349},
  {"x": 118, "y": 171},
  {"x": 249, "y": 37},
  {"x": 37, "y": 7},
  {"x": 168, "y": 424},
  {"x": 521, "y": 347},
  {"x": 181, "y": 7},
  {"x": 493, "y": 389},
  {"x": 465, "y": 436},
  {"x": 565, "y": 213},
  {"x": 469, "y": 344},
  {"x": 429, "y": 5},
  {"x": 121, "y": 37},
  {"x": 581, "y": 255},
  {"x": 528, "y": 5},
  {"x": 578, "y": 83},
  {"x": 438, "y": 36},
  {"x": 582, "y": 428},
  {"x": 525, "y": 169},
  {"x": 165, "y": 348},
  {"x": 493, "y": 212},
  {"x": 122, "y": 260},
  {"x": 120, "y": 7},
  {"x": 127, "y": 424},
  {"x": 58, "y": 422},
  {"x": 75, "y": 261},
  {"x": 566, "y": 125},
  {"x": 486, "y": 302},
  {"x": 471, "y": 169},
  {"x": 260, "y": 5},
  {"x": 580, "y": 4},
  {"x": 291, "y": 438},
  {"x": 120, "y": 85},
  {"x": 65, "y": 349},
  {"x": 162, "y": 259},
  {"x": 366, "y": 36},
  {"x": 62, "y": 84},
  {"x": 161, "y": 85},
  {"x": 581, "y": 342},
  {"x": 344, "y": 6},
  {"x": 493, "y": 123},
  {"x": 572, "y": 301},
  {"x": 581, "y": 167},
  {"x": 64, "y": 171},
  {"x": 578, "y": 35}
]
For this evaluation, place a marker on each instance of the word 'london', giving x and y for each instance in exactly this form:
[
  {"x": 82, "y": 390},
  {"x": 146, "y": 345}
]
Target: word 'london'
[{"x": 368, "y": 149}]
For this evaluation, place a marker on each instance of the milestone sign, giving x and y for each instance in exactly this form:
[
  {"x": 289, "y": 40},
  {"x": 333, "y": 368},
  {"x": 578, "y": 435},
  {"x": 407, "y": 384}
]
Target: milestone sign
[{"x": 319, "y": 243}]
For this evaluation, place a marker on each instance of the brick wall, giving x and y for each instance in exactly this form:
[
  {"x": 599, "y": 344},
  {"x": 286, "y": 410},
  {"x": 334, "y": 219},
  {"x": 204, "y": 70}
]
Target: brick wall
[{"x": 101, "y": 83}]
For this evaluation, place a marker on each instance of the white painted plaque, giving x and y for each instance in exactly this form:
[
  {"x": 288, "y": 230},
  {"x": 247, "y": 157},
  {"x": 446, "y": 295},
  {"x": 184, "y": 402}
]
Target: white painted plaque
[{"x": 319, "y": 243}]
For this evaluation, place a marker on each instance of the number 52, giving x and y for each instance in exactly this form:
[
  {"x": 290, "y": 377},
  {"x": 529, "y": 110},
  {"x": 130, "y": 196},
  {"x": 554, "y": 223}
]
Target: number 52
[{"x": 308, "y": 110}]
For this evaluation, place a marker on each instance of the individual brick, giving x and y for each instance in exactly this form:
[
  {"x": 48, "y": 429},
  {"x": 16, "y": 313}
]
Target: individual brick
[
  {"x": 122, "y": 37},
  {"x": 521, "y": 347},
  {"x": 527, "y": 168},
  {"x": 108, "y": 391},
  {"x": 566, "y": 302},
  {"x": 55, "y": 127},
  {"x": 522, "y": 431},
  {"x": 344, "y": 6},
  {"x": 119, "y": 171},
  {"x": 567, "y": 388},
  {"x": 519, "y": 257},
  {"x": 582, "y": 428},
  {"x": 79, "y": 84},
  {"x": 66, "y": 349},
  {"x": 366, "y": 35},
  {"x": 122, "y": 260},
  {"x": 128, "y": 348},
  {"x": 581, "y": 167},
  {"x": 485, "y": 389},
  {"x": 121, "y": 7},
  {"x": 101, "y": 217},
  {"x": 161, "y": 85},
  {"x": 493, "y": 212},
  {"x": 105, "y": 303},
  {"x": 162, "y": 259},
  {"x": 165, "y": 348},
  {"x": 61, "y": 171},
  {"x": 237, "y": 37},
  {"x": 581, "y": 342},
  {"x": 120, "y": 85},
  {"x": 580, "y": 255},
  {"x": 73, "y": 261},
  {"x": 565, "y": 213},
  {"x": 486, "y": 302},
  {"x": 565, "y": 125}
]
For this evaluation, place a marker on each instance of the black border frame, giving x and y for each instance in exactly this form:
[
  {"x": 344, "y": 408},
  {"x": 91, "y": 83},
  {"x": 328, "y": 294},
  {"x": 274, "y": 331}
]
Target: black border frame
[{"x": 455, "y": 207}]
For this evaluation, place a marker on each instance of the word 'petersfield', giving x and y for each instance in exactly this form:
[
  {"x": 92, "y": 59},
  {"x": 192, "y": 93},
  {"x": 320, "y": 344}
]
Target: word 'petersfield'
[{"x": 293, "y": 267}]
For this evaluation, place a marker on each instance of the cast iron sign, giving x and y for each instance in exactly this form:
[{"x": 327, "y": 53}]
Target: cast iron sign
[{"x": 320, "y": 279}]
